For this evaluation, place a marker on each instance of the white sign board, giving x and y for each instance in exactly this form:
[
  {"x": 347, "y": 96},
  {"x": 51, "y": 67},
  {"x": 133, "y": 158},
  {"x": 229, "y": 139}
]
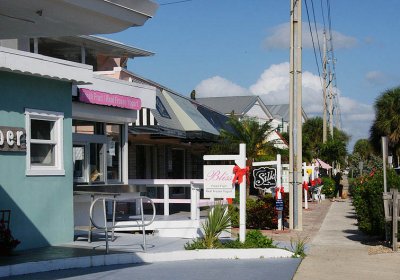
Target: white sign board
[{"x": 218, "y": 181}]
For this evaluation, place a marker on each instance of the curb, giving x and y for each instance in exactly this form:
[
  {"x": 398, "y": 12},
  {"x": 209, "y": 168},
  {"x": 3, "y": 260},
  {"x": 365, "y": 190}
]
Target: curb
[{"x": 134, "y": 258}]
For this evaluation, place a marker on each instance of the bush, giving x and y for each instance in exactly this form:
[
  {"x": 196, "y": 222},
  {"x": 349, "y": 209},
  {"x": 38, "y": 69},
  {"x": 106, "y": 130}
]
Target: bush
[
  {"x": 233, "y": 211},
  {"x": 260, "y": 212},
  {"x": 329, "y": 187},
  {"x": 367, "y": 200},
  {"x": 254, "y": 239}
]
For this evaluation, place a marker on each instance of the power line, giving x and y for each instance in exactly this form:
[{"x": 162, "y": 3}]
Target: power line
[{"x": 312, "y": 39}]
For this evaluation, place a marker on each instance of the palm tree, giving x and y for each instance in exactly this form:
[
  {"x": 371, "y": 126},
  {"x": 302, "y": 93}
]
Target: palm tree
[
  {"x": 312, "y": 138},
  {"x": 387, "y": 120},
  {"x": 248, "y": 131},
  {"x": 363, "y": 147}
]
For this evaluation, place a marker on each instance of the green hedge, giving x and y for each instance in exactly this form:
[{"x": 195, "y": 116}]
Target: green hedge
[
  {"x": 367, "y": 200},
  {"x": 260, "y": 212},
  {"x": 328, "y": 188}
]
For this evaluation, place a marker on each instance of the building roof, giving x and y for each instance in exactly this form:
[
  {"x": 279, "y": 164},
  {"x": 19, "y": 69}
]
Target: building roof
[
  {"x": 281, "y": 111},
  {"x": 45, "y": 18},
  {"x": 227, "y": 104},
  {"x": 178, "y": 115},
  {"x": 94, "y": 46},
  {"x": 43, "y": 66}
]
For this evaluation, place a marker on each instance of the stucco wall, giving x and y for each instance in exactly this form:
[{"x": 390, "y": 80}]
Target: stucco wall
[{"x": 42, "y": 206}]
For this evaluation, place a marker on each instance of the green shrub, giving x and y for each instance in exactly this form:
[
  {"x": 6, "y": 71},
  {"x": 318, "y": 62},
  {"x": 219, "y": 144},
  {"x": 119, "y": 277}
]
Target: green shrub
[
  {"x": 233, "y": 211},
  {"x": 217, "y": 222},
  {"x": 260, "y": 212},
  {"x": 255, "y": 239},
  {"x": 367, "y": 200},
  {"x": 328, "y": 188}
]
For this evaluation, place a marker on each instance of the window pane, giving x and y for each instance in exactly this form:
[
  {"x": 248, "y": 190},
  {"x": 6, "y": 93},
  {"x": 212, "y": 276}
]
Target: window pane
[
  {"x": 41, "y": 129},
  {"x": 113, "y": 151},
  {"x": 87, "y": 127},
  {"x": 96, "y": 162},
  {"x": 42, "y": 154},
  {"x": 79, "y": 162}
]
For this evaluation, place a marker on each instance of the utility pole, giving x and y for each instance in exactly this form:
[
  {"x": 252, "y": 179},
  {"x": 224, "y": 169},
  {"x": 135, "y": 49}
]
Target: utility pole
[
  {"x": 324, "y": 124},
  {"x": 295, "y": 115},
  {"x": 330, "y": 105}
]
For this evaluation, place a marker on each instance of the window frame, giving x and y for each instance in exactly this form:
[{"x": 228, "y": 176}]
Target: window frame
[{"x": 57, "y": 141}]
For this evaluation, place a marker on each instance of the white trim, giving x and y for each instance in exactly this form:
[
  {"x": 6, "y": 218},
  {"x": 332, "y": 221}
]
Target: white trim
[{"x": 57, "y": 117}]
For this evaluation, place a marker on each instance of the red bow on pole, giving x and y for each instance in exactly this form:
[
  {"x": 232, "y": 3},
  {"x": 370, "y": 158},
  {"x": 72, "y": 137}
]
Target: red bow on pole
[
  {"x": 305, "y": 185},
  {"x": 279, "y": 190},
  {"x": 239, "y": 173}
]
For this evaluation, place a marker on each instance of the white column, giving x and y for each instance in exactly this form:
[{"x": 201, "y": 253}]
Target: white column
[
  {"x": 279, "y": 185},
  {"x": 166, "y": 200},
  {"x": 124, "y": 170},
  {"x": 305, "y": 179},
  {"x": 242, "y": 207},
  {"x": 193, "y": 202}
]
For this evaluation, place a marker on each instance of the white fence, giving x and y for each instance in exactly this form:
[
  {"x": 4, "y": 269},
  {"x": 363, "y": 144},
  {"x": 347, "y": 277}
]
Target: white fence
[{"x": 195, "y": 186}]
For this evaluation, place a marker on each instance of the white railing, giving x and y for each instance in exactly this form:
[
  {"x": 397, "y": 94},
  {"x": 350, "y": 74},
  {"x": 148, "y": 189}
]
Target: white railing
[{"x": 195, "y": 186}]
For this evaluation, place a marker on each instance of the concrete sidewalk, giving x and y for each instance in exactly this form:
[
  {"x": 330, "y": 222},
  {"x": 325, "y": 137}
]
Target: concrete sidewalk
[{"x": 338, "y": 252}]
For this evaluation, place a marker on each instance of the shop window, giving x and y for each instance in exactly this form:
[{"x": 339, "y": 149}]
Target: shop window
[
  {"x": 113, "y": 152},
  {"x": 44, "y": 145}
]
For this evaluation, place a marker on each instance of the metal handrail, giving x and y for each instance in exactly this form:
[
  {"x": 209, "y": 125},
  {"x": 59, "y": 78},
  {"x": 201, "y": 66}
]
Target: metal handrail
[{"x": 114, "y": 201}]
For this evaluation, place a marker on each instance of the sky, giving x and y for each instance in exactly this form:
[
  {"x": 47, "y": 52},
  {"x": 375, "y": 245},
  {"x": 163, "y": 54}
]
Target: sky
[{"x": 241, "y": 47}]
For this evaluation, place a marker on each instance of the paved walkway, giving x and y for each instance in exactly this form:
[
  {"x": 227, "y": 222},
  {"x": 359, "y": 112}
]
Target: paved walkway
[{"x": 338, "y": 252}]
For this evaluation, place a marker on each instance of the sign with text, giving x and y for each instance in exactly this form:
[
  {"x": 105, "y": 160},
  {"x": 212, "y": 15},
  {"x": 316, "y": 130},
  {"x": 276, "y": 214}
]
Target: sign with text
[
  {"x": 279, "y": 205},
  {"x": 264, "y": 177},
  {"x": 108, "y": 99},
  {"x": 218, "y": 181},
  {"x": 12, "y": 139}
]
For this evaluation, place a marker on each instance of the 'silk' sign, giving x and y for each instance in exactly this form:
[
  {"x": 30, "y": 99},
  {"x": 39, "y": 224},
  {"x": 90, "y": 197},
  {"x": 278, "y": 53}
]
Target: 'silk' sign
[
  {"x": 264, "y": 178},
  {"x": 218, "y": 181}
]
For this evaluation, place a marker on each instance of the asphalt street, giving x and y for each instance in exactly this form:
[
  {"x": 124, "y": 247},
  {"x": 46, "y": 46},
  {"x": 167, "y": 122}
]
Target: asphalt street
[{"x": 234, "y": 269}]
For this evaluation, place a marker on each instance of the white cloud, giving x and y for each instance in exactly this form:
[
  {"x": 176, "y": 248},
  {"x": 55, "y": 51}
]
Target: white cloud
[
  {"x": 273, "y": 87},
  {"x": 218, "y": 86},
  {"x": 376, "y": 77},
  {"x": 279, "y": 38}
]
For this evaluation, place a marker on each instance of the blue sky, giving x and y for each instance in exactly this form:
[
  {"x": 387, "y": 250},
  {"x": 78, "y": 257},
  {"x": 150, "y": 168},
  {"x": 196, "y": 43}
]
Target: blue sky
[{"x": 236, "y": 47}]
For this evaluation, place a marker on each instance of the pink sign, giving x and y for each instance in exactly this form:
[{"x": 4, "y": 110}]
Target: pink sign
[
  {"x": 108, "y": 99},
  {"x": 218, "y": 181}
]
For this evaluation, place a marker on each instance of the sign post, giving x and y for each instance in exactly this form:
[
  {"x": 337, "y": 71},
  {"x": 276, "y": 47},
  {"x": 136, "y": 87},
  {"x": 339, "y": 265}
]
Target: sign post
[{"x": 240, "y": 160}]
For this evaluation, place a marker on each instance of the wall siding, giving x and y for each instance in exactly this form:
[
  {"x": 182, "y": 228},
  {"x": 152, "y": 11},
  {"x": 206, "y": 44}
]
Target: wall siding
[{"x": 41, "y": 206}]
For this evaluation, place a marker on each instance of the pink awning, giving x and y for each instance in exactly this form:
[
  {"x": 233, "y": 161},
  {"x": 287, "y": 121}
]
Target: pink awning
[
  {"x": 109, "y": 99},
  {"x": 320, "y": 163}
]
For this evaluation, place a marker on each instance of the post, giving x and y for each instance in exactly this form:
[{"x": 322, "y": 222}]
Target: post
[
  {"x": 295, "y": 114},
  {"x": 279, "y": 185},
  {"x": 384, "y": 157},
  {"x": 166, "y": 200},
  {"x": 324, "y": 122},
  {"x": 242, "y": 190},
  {"x": 194, "y": 202},
  {"x": 305, "y": 180},
  {"x": 395, "y": 214}
]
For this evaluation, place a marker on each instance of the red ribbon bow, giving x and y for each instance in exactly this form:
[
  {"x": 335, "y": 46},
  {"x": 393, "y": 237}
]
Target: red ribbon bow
[
  {"x": 305, "y": 185},
  {"x": 280, "y": 189},
  {"x": 239, "y": 173},
  {"x": 313, "y": 183}
]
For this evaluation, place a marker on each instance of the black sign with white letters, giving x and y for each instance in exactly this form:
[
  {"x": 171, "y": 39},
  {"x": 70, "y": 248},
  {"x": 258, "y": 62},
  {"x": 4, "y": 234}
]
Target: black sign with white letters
[{"x": 264, "y": 177}]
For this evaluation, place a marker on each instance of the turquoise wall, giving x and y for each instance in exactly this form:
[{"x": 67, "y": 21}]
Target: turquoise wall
[{"x": 42, "y": 206}]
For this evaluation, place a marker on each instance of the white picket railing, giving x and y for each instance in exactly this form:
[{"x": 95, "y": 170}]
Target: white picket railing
[{"x": 195, "y": 186}]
